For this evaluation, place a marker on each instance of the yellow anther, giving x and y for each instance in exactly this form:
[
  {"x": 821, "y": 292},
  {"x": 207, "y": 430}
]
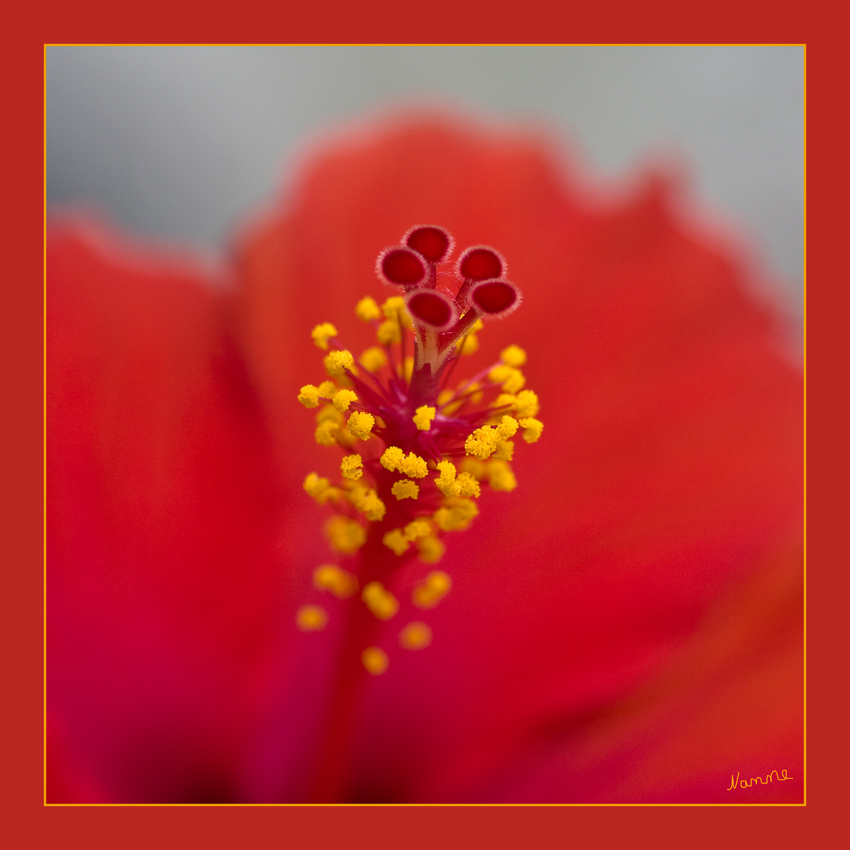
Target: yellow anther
[
  {"x": 342, "y": 399},
  {"x": 415, "y": 635},
  {"x": 392, "y": 459},
  {"x": 379, "y": 600},
  {"x": 456, "y": 514},
  {"x": 315, "y": 486},
  {"x": 482, "y": 442},
  {"x": 444, "y": 396},
  {"x": 467, "y": 486},
  {"x": 311, "y": 618},
  {"x": 501, "y": 476},
  {"x": 309, "y": 396},
  {"x": 474, "y": 467},
  {"x": 352, "y": 467},
  {"x": 328, "y": 413},
  {"x": 515, "y": 356},
  {"x": 375, "y": 660},
  {"x": 533, "y": 429},
  {"x": 322, "y": 333},
  {"x": 327, "y": 389},
  {"x": 514, "y": 383},
  {"x": 405, "y": 489},
  {"x": 373, "y": 359},
  {"x": 407, "y": 368},
  {"x": 373, "y": 508},
  {"x": 367, "y": 501},
  {"x": 340, "y": 583},
  {"x": 446, "y": 483},
  {"x": 423, "y": 417},
  {"x": 361, "y": 424},
  {"x": 507, "y": 427},
  {"x": 367, "y": 309},
  {"x": 431, "y": 549},
  {"x": 396, "y": 541},
  {"x": 474, "y": 393},
  {"x": 526, "y": 404},
  {"x": 504, "y": 450},
  {"x": 326, "y": 433},
  {"x": 393, "y": 308},
  {"x": 416, "y": 529},
  {"x": 337, "y": 362},
  {"x": 431, "y": 589},
  {"x": 345, "y": 535},
  {"x": 511, "y": 379},
  {"x": 468, "y": 344},
  {"x": 389, "y": 332},
  {"x": 504, "y": 400},
  {"x": 414, "y": 466}
]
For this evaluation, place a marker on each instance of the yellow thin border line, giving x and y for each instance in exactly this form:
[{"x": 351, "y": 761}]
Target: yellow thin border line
[
  {"x": 805, "y": 435},
  {"x": 425, "y": 44},
  {"x": 44, "y": 419},
  {"x": 424, "y": 805}
]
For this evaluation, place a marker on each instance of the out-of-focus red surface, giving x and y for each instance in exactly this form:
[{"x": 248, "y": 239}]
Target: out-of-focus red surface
[{"x": 623, "y": 627}]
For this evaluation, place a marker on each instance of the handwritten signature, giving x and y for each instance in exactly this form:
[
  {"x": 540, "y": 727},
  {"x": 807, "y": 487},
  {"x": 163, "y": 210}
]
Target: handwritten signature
[{"x": 757, "y": 780}]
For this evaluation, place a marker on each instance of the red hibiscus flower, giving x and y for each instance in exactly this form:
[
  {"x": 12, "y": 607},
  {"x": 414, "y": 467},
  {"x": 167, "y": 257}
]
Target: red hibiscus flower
[{"x": 623, "y": 626}]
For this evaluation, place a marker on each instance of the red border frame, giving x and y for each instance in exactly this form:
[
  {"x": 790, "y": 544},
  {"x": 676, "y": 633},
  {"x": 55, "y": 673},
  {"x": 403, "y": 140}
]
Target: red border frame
[{"x": 415, "y": 827}]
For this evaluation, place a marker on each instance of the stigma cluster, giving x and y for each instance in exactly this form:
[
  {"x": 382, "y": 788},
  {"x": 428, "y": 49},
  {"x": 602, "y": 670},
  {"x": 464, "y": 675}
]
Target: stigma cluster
[{"x": 415, "y": 451}]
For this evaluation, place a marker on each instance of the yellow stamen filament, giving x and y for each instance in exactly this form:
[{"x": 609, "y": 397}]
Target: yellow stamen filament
[
  {"x": 415, "y": 635},
  {"x": 311, "y": 618},
  {"x": 431, "y": 590},
  {"x": 340, "y": 583},
  {"x": 375, "y": 660}
]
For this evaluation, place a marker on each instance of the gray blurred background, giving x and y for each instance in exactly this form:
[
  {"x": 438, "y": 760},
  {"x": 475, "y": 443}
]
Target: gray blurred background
[{"x": 181, "y": 141}]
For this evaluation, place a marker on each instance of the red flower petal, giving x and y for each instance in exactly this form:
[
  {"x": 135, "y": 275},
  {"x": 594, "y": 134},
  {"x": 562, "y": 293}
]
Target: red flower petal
[
  {"x": 161, "y": 550},
  {"x": 670, "y": 473}
]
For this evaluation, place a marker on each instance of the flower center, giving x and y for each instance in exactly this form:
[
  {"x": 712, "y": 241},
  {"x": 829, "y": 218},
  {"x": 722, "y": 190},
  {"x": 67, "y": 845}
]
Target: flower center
[{"x": 416, "y": 451}]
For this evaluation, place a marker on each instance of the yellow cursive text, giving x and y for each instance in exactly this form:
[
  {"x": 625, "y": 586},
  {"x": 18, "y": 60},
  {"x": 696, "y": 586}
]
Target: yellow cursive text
[{"x": 737, "y": 782}]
